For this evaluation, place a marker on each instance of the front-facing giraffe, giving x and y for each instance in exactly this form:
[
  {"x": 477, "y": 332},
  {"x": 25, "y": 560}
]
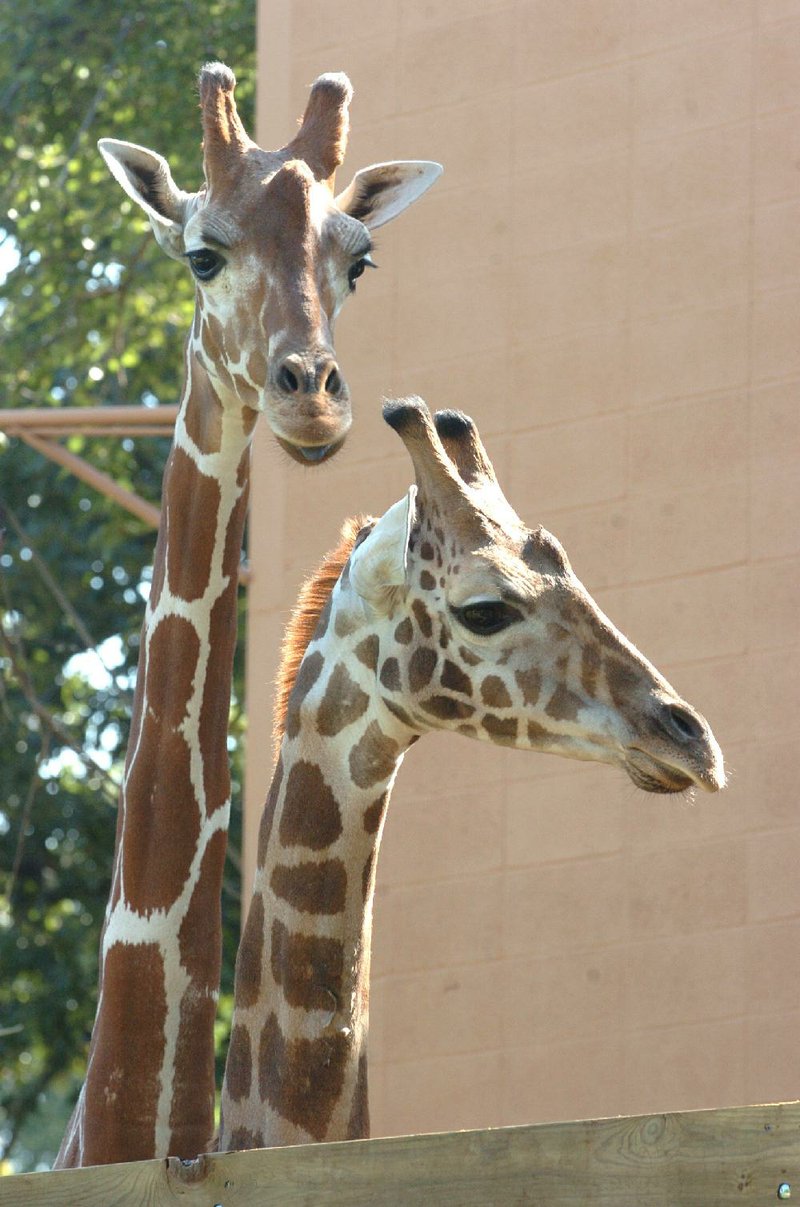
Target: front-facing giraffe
[
  {"x": 447, "y": 613},
  {"x": 274, "y": 254}
]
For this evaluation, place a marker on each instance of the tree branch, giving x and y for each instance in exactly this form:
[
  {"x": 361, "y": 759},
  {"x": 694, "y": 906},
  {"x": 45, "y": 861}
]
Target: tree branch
[
  {"x": 72, "y": 616},
  {"x": 44, "y": 714},
  {"x": 25, "y": 816}
]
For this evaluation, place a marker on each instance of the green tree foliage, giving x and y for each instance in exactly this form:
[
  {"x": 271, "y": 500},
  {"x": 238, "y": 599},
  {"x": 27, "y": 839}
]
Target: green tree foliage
[{"x": 91, "y": 314}]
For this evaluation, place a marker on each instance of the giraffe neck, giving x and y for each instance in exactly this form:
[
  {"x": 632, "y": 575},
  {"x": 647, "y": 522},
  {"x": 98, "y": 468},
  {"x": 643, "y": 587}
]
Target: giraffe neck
[
  {"x": 296, "y": 1067},
  {"x": 149, "y": 1089}
]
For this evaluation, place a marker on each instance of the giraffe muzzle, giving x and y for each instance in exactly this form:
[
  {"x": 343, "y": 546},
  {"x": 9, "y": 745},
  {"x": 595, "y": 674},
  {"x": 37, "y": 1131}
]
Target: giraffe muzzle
[
  {"x": 309, "y": 406},
  {"x": 677, "y": 753}
]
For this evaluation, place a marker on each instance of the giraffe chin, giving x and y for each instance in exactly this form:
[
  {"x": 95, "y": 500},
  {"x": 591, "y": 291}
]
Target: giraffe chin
[
  {"x": 310, "y": 455},
  {"x": 651, "y": 775}
]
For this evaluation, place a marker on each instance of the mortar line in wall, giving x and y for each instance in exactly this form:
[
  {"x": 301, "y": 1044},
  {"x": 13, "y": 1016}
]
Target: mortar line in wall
[{"x": 751, "y": 274}]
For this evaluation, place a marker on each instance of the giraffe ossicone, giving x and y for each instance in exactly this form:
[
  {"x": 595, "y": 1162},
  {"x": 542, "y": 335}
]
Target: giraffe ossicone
[
  {"x": 447, "y": 613},
  {"x": 274, "y": 254}
]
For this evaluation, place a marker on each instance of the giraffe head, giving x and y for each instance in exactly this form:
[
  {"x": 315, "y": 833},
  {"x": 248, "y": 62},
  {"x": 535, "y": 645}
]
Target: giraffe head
[
  {"x": 274, "y": 252},
  {"x": 484, "y": 628}
]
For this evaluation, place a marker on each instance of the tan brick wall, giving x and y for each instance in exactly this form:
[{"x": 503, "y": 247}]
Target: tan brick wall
[{"x": 608, "y": 279}]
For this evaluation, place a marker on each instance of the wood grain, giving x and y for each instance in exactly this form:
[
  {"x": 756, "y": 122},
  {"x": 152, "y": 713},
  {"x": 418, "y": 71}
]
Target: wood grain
[{"x": 694, "y": 1159}]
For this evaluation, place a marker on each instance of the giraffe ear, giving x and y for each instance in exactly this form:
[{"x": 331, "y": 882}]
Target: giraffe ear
[
  {"x": 378, "y": 565},
  {"x": 376, "y": 195},
  {"x": 146, "y": 178}
]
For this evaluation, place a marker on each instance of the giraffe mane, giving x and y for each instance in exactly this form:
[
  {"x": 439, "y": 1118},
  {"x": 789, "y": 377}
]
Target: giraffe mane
[{"x": 314, "y": 595}]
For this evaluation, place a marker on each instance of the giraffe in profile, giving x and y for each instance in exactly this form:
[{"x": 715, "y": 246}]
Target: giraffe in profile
[
  {"x": 274, "y": 252},
  {"x": 446, "y": 613}
]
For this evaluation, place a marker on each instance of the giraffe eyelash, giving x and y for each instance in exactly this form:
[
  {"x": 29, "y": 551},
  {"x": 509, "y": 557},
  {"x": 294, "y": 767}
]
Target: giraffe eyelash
[{"x": 356, "y": 269}]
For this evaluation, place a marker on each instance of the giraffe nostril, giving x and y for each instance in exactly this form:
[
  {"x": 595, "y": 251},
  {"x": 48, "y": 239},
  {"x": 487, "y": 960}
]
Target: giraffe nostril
[
  {"x": 333, "y": 382},
  {"x": 682, "y": 724},
  {"x": 287, "y": 380}
]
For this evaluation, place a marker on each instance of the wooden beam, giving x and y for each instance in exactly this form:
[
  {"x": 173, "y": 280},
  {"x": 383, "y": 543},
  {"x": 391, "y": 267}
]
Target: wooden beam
[
  {"x": 695, "y": 1159},
  {"x": 68, "y": 421},
  {"x": 87, "y": 473}
]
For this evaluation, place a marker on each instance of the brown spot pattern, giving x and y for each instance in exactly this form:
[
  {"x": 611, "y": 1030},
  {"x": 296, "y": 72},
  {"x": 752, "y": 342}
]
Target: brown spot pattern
[
  {"x": 312, "y": 888},
  {"x": 390, "y": 675},
  {"x": 171, "y": 666},
  {"x": 455, "y": 679},
  {"x": 302, "y": 1079},
  {"x": 445, "y": 708},
  {"x": 344, "y": 624},
  {"x": 158, "y": 854},
  {"x": 397, "y": 711},
  {"x": 238, "y": 1066},
  {"x": 324, "y": 619},
  {"x": 343, "y": 703},
  {"x": 590, "y": 667},
  {"x": 373, "y": 757},
  {"x": 249, "y": 958},
  {"x": 310, "y": 816},
  {"x": 494, "y": 692},
  {"x": 422, "y": 618},
  {"x": 421, "y": 666},
  {"x": 123, "y": 1063},
  {"x": 199, "y": 937},
  {"x": 159, "y": 573},
  {"x": 257, "y": 367},
  {"x": 529, "y": 683},
  {"x": 310, "y": 669},
  {"x": 467, "y": 656},
  {"x": 203, "y": 420},
  {"x": 194, "y": 1062},
  {"x": 537, "y": 733},
  {"x": 268, "y": 816},
  {"x": 427, "y": 581},
  {"x": 215, "y": 707},
  {"x": 563, "y": 705},
  {"x": 243, "y": 1139},
  {"x": 426, "y": 551},
  {"x": 367, "y": 875},
  {"x": 623, "y": 681},
  {"x": 367, "y": 651},
  {"x": 503, "y": 730},
  {"x": 243, "y": 470},
  {"x": 190, "y": 527},
  {"x": 308, "y": 967},
  {"x": 214, "y": 338},
  {"x": 373, "y": 814},
  {"x": 404, "y": 631}
]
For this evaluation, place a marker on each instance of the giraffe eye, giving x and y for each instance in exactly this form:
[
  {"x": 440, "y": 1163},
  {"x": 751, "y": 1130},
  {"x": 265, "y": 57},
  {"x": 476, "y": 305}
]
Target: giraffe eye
[
  {"x": 486, "y": 616},
  {"x": 204, "y": 263},
  {"x": 357, "y": 269}
]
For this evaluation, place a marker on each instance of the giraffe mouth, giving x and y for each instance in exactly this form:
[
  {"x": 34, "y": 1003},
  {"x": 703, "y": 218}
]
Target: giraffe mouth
[
  {"x": 310, "y": 454},
  {"x": 652, "y": 775}
]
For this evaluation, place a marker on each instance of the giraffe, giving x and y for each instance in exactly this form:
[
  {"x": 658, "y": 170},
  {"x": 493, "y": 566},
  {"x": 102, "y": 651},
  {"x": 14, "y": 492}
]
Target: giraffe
[
  {"x": 446, "y": 613},
  {"x": 274, "y": 254}
]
